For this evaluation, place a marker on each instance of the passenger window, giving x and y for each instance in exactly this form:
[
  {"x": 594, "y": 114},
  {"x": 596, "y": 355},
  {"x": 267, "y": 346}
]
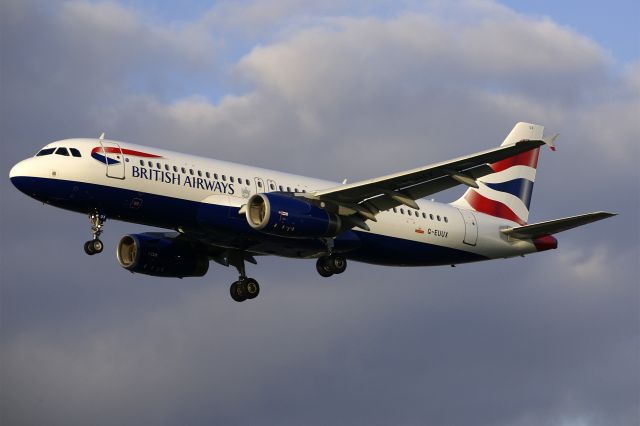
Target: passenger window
[
  {"x": 166, "y": 167},
  {"x": 175, "y": 169},
  {"x": 438, "y": 218},
  {"x": 231, "y": 179},
  {"x": 431, "y": 216},
  {"x": 246, "y": 181},
  {"x": 417, "y": 214},
  {"x": 75, "y": 152},
  {"x": 224, "y": 178},
  {"x": 446, "y": 220},
  {"x": 150, "y": 164},
  {"x": 159, "y": 166},
  {"x": 184, "y": 170},
  {"x": 199, "y": 173},
  {"x": 281, "y": 188},
  {"x": 288, "y": 189},
  {"x": 272, "y": 186},
  {"x": 46, "y": 151},
  {"x": 259, "y": 184},
  {"x": 240, "y": 181},
  {"x": 191, "y": 172},
  {"x": 207, "y": 175},
  {"x": 401, "y": 211},
  {"x": 142, "y": 162},
  {"x": 395, "y": 210},
  {"x": 424, "y": 215},
  {"x": 62, "y": 151}
]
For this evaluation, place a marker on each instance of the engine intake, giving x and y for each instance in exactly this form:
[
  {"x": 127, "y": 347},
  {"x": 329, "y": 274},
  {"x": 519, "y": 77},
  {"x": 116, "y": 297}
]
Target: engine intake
[
  {"x": 160, "y": 256},
  {"x": 289, "y": 216}
]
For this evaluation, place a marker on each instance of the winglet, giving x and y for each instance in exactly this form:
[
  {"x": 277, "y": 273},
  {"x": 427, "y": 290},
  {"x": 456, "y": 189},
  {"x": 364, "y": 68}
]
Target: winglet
[{"x": 550, "y": 141}]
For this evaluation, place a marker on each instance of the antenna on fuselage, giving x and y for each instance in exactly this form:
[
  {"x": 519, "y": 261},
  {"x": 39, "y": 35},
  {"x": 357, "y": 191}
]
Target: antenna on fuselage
[{"x": 101, "y": 136}]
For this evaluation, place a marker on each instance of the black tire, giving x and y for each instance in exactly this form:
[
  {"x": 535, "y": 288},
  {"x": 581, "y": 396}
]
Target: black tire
[
  {"x": 252, "y": 288},
  {"x": 88, "y": 248},
  {"x": 237, "y": 292},
  {"x": 96, "y": 246},
  {"x": 337, "y": 264},
  {"x": 323, "y": 268}
]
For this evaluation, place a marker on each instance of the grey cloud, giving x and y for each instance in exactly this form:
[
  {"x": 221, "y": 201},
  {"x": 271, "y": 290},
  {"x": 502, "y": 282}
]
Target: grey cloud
[{"x": 549, "y": 339}]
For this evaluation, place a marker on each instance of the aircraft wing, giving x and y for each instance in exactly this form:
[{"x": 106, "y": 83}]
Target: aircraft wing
[
  {"x": 554, "y": 226},
  {"x": 368, "y": 197}
]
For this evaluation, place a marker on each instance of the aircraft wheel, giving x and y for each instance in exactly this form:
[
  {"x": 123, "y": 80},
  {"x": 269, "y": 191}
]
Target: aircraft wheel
[
  {"x": 96, "y": 246},
  {"x": 237, "y": 292},
  {"x": 252, "y": 288},
  {"x": 337, "y": 264},
  {"x": 322, "y": 266},
  {"x": 88, "y": 248}
]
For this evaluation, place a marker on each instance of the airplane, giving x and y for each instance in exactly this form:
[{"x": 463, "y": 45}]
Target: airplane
[{"x": 232, "y": 213}]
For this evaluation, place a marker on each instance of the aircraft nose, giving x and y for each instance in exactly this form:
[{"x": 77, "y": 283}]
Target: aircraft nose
[
  {"x": 16, "y": 170},
  {"x": 19, "y": 176}
]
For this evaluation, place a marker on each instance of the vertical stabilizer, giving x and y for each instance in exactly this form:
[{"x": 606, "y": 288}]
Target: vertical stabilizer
[{"x": 506, "y": 193}]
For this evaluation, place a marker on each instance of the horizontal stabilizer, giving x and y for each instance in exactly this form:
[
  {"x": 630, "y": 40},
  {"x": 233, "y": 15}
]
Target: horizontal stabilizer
[{"x": 554, "y": 226}]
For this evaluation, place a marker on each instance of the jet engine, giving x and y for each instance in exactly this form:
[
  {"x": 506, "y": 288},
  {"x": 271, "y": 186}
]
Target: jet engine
[
  {"x": 161, "y": 255},
  {"x": 289, "y": 216}
]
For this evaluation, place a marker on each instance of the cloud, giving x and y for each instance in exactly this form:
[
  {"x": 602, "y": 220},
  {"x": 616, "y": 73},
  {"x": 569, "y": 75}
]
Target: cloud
[{"x": 332, "y": 90}]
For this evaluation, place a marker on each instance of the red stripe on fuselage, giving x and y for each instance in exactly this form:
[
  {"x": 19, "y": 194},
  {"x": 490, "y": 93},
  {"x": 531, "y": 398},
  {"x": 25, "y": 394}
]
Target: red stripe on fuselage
[
  {"x": 116, "y": 150},
  {"x": 529, "y": 158},
  {"x": 491, "y": 207}
]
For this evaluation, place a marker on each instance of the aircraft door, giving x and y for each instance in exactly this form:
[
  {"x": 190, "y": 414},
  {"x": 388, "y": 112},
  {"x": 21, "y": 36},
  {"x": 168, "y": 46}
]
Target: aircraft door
[
  {"x": 114, "y": 159},
  {"x": 470, "y": 227}
]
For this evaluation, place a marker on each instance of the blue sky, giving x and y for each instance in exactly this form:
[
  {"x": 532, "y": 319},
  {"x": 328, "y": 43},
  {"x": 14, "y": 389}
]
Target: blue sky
[{"x": 330, "y": 90}]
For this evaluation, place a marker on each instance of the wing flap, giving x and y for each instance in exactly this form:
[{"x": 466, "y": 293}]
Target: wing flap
[{"x": 554, "y": 226}]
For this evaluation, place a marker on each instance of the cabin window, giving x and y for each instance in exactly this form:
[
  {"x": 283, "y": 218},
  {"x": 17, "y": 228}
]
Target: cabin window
[
  {"x": 395, "y": 210},
  {"x": 184, "y": 170},
  {"x": 200, "y": 173},
  {"x": 159, "y": 166},
  {"x": 246, "y": 181},
  {"x": 288, "y": 189},
  {"x": 207, "y": 175},
  {"x": 417, "y": 214},
  {"x": 126, "y": 159},
  {"x": 175, "y": 169},
  {"x": 431, "y": 216},
  {"x": 191, "y": 172},
  {"x": 272, "y": 186},
  {"x": 259, "y": 184},
  {"x": 281, "y": 188},
  {"x": 142, "y": 162},
  {"x": 62, "y": 151},
  {"x": 46, "y": 151},
  {"x": 424, "y": 215},
  {"x": 150, "y": 164},
  {"x": 215, "y": 176},
  {"x": 239, "y": 180},
  {"x": 401, "y": 211},
  {"x": 166, "y": 167},
  {"x": 224, "y": 178},
  {"x": 446, "y": 220},
  {"x": 231, "y": 179},
  {"x": 75, "y": 152},
  {"x": 438, "y": 218}
]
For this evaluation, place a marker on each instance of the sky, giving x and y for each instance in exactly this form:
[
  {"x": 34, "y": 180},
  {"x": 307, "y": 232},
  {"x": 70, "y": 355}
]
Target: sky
[{"x": 334, "y": 90}]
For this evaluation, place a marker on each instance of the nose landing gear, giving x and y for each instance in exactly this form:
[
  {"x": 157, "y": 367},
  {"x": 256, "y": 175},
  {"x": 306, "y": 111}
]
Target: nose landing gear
[{"x": 95, "y": 246}]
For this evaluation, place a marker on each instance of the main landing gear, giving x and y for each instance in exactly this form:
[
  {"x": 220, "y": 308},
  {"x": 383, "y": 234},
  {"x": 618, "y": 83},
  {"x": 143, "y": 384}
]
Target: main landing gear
[
  {"x": 95, "y": 246},
  {"x": 245, "y": 288},
  {"x": 332, "y": 264}
]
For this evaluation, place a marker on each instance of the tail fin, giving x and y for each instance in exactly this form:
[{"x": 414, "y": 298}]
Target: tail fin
[{"x": 506, "y": 193}]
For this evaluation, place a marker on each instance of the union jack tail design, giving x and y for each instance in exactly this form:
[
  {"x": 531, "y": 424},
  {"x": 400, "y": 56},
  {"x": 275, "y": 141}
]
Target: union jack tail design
[{"x": 506, "y": 193}]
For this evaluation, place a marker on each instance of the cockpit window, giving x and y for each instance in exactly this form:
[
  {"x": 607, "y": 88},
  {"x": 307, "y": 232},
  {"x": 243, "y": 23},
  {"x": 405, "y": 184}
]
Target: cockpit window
[
  {"x": 75, "y": 152},
  {"x": 46, "y": 151},
  {"x": 62, "y": 151}
]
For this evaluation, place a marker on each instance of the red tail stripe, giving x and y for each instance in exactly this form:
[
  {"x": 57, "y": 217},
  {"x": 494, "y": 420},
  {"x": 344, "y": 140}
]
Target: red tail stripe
[
  {"x": 494, "y": 208},
  {"x": 116, "y": 150},
  {"x": 529, "y": 158}
]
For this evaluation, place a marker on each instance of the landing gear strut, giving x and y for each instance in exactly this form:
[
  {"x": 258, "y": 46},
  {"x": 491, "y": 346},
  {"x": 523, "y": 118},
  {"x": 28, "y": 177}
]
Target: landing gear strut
[
  {"x": 94, "y": 245},
  {"x": 245, "y": 288}
]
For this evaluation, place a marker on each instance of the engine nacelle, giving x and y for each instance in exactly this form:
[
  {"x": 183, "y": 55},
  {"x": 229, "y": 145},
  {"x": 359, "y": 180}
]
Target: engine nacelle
[
  {"x": 289, "y": 216},
  {"x": 161, "y": 256}
]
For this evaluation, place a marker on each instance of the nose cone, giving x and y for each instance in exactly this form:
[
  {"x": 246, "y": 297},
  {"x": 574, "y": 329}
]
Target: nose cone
[{"x": 20, "y": 177}]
